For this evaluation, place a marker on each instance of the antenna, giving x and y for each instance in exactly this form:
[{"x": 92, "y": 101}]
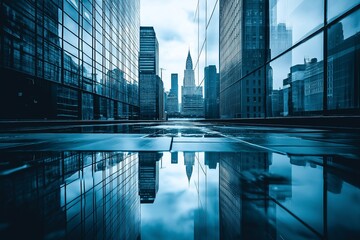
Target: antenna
[{"x": 161, "y": 70}]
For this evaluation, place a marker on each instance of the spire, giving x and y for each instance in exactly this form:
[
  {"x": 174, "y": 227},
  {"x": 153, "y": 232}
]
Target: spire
[{"x": 189, "y": 64}]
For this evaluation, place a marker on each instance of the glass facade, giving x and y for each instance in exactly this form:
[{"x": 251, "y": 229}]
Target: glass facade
[
  {"x": 69, "y": 59},
  {"x": 211, "y": 100},
  {"x": 283, "y": 58},
  {"x": 151, "y": 93}
]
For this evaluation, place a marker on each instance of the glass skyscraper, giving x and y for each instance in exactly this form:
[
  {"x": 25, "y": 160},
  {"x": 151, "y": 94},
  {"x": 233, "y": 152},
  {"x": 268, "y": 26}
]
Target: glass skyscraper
[
  {"x": 173, "y": 96},
  {"x": 212, "y": 86},
  {"x": 283, "y": 58},
  {"x": 69, "y": 59},
  {"x": 151, "y": 85}
]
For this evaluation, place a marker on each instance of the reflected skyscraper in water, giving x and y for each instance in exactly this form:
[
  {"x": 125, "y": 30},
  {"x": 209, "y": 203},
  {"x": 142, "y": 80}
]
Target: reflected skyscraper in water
[
  {"x": 174, "y": 157},
  {"x": 212, "y": 159},
  {"x": 70, "y": 195},
  {"x": 189, "y": 161},
  {"x": 148, "y": 176},
  {"x": 244, "y": 200}
]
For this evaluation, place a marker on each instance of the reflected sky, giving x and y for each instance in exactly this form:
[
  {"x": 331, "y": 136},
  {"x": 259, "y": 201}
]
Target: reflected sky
[{"x": 195, "y": 195}]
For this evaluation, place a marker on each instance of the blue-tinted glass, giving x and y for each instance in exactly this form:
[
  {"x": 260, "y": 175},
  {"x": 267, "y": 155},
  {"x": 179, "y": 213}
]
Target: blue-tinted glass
[
  {"x": 71, "y": 38},
  {"x": 292, "y": 20},
  {"x": 337, "y": 7},
  {"x": 296, "y": 80},
  {"x": 71, "y": 24},
  {"x": 343, "y": 63},
  {"x": 70, "y": 9}
]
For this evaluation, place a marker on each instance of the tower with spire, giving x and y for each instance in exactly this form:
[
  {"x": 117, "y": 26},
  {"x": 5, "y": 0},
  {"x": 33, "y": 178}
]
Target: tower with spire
[
  {"x": 191, "y": 95},
  {"x": 189, "y": 161}
]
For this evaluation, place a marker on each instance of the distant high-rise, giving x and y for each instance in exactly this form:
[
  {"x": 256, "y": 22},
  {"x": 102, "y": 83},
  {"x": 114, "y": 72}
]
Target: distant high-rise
[
  {"x": 212, "y": 92},
  {"x": 151, "y": 94},
  {"x": 173, "y": 97},
  {"x": 192, "y": 98},
  {"x": 175, "y": 84},
  {"x": 62, "y": 60}
]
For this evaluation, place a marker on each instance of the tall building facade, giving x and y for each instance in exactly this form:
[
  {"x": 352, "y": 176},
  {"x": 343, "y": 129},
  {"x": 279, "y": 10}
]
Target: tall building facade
[
  {"x": 151, "y": 94},
  {"x": 69, "y": 59},
  {"x": 192, "y": 96},
  {"x": 276, "y": 61},
  {"x": 173, "y": 96},
  {"x": 242, "y": 50},
  {"x": 212, "y": 92}
]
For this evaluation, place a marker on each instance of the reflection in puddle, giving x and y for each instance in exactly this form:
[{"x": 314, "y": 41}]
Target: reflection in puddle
[{"x": 177, "y": 195}]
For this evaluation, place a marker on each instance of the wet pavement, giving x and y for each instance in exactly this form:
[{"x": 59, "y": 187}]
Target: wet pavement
[{"x": 178, "y": 180}]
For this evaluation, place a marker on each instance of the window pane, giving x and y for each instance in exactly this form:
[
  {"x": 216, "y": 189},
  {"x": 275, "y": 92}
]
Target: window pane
[
  {"x": 296, "y": 81},
  {"x": 343, "y": 63},
  {"x": 292, "y": 20},
  {"x": 337, "y": 7}
]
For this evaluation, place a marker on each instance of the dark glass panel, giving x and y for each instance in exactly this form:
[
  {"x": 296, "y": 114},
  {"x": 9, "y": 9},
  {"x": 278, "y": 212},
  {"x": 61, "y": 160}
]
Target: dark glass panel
[{"x": 343, "y": 63}]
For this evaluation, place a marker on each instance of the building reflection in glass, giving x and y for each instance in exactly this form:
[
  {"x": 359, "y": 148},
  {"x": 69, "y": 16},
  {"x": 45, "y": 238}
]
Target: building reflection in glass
[{"x": 70, "y": 195}]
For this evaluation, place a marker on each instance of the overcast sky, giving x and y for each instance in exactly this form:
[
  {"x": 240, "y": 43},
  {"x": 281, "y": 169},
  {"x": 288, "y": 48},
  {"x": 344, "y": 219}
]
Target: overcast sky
[{"x": 176, "y": 31}]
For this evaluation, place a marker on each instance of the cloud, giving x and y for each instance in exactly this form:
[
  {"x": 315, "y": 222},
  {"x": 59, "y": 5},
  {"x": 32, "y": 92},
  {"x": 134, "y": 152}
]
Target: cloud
[{"x": 173, "y": 21}]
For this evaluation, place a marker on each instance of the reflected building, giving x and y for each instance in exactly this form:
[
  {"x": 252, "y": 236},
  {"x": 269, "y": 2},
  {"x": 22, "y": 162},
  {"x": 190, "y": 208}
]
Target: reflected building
[
  {"x": 206, "y": 215},
  {"x": 192, "y": 95},
  {"x": 189, "y": 161},
  {"x": 151, "y": 85},
  {"x": 57, "y": 59},
  {"x": 71, "y": 195},
  {"x": 262, "y": 41},
  {"x": 244, "y": 206},
  {"x": 148, "y": 176},
  {"x": 343, "y": 72},
  {"x": 212, "y": 92},
  {"x": 174, "y": 157},
  {"x": 212, "y": 159},
  {"x": 280, "y": 40}
]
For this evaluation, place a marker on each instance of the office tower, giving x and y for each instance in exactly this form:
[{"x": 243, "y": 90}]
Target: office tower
[
  {"x": 192, "y": 98},
  {"x": 151, "y": 94},
  {"x": 148, "y": 176},
  {"x": 175, "y": 84},
  {"x": 242, "y": 50},
  {"x": 62, "y": 60},
  {"x": 173, "y": 96},
  {"x": 212, "y": 92}
]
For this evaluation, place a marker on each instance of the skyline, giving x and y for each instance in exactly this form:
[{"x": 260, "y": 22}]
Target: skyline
[{"x": 177, "y": 34}]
